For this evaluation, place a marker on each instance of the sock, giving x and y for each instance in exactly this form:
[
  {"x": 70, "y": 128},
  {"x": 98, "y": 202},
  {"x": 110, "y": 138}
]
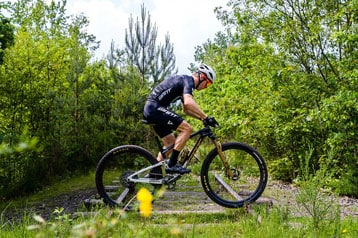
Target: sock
[{"x": 173, "y": 158}]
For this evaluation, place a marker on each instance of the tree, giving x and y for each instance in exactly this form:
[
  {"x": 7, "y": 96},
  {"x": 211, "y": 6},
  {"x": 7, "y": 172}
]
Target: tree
[
  {"x": 152, "y": 61},
  {"x": 165, "y": 63},
  {"x": 39, "y": 71},
  {"x": 295, "y": 63},
  {"x": 49, "y": 88},
  {"x": 6, "y": 35}
]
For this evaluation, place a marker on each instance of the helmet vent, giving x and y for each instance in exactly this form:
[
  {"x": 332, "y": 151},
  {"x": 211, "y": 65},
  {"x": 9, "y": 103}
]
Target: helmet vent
[{"x": 209, "y": 72}]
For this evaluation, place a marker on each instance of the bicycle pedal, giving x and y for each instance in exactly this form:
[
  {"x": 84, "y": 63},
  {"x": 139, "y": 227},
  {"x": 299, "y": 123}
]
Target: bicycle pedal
[
  {"x": 170, "y": 181},
  {"x": 172, "y": 185},
  {"x": 171, "y": 178}
]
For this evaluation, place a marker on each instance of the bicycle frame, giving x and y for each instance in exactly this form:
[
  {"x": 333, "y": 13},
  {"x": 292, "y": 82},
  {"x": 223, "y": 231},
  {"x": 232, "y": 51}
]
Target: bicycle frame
[{"x": 205, "y": 132}]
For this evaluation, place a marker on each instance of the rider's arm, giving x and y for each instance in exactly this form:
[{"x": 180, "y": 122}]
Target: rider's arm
[{"x": 191, "y": 108}]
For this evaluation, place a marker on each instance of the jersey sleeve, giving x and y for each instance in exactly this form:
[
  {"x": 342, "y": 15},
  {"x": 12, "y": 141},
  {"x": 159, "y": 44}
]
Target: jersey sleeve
[{"x": 188, "y": 85}]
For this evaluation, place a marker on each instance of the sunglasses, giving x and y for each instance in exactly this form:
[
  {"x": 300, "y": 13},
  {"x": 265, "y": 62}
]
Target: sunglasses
[{"x": 208, "y": 82}]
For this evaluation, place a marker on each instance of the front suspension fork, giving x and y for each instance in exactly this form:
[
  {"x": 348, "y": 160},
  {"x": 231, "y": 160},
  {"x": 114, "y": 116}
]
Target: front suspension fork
[{"x": 223, "y": 158}]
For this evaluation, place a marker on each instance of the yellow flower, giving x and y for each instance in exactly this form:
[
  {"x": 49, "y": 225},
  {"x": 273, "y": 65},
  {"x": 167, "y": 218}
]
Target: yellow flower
[
  {"x": 145, "y": 199},
  {"x": 114, "y": 221},
  {"x": 145, "y": 209},
  {"x": 175, "y": 231},
  {"x": 344, "y": 231}
]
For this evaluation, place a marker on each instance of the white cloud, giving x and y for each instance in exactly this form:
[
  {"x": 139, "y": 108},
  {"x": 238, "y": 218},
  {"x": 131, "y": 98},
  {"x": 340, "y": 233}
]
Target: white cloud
[
  {"x": 188, "y": 22},
  {"x": 107, "y": 20}
]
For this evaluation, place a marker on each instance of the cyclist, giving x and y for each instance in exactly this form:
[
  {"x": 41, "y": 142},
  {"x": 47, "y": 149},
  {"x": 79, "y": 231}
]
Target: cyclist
[{"x": 166, "y": 121}]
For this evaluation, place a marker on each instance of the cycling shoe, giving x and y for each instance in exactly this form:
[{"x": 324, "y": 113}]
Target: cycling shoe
[{"x": 177, "y": 169}]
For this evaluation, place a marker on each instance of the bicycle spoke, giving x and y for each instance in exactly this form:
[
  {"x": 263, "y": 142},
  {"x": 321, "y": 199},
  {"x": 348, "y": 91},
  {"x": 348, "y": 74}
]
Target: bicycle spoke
[
  {"x": 122, "y": 196},
  {"x": 115, "y": 169},
  {"x": 227, "y": 187}
]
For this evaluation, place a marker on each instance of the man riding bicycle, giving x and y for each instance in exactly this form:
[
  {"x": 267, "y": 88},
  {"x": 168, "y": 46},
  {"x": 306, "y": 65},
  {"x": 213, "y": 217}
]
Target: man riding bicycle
[{"x": 166, "y": 121}]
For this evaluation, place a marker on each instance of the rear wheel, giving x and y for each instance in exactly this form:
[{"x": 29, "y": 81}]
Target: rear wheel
[
  {"x": 114, "y": 168},
  {"x": 247, "y": 184}
]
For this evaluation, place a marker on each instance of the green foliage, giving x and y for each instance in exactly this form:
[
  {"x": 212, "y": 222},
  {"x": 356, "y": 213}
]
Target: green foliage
[
  {"x": 77, "y": 108},
  {"x": 117, "y": 223},
  {"x": 339, "y": 117},
  {"x": 33, "y": 84},
  {"x": 287, "y": 83},
  {"x": 127, "y": 108},
  {"x": 282, "y": 169},
  {"x": 6, "y": 35},
  {"x": 15, "y": 173},
  {"x": 316, "y": 202}
]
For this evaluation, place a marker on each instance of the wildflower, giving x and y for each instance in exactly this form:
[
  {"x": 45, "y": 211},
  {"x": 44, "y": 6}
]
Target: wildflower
[
  {"x": 145, "y": 199},
  {"x": 145, "y": 209},
  {"x": 175, "y": 231},
  {"x": 114, "y": 221},
  {"x": 144, "y": 195},
  {"x": 40, "y": 219}
]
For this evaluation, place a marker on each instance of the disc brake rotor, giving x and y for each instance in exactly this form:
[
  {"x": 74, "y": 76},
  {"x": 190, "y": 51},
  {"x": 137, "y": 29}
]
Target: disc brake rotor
[{"x": 235, "y": 174}]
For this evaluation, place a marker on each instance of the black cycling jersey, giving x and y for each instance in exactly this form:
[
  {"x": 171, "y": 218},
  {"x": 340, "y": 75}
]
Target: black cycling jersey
[
  {"x": 172, "y": 88},
  {"x": 155, "y": 109}
]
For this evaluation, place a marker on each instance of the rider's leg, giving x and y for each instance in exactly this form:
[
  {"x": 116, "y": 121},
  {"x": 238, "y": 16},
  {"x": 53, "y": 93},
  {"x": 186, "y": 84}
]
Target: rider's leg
[
  {"x": 167, "y": 141},
  {"x": 185, "y": 131}
]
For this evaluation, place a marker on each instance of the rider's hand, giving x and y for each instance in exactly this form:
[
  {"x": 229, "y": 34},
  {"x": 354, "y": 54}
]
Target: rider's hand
[{"x": 210, "y": 121}]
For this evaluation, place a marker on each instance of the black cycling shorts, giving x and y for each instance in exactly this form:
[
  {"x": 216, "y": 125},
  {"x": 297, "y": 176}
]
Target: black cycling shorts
[{"x": 164, "y": 120}]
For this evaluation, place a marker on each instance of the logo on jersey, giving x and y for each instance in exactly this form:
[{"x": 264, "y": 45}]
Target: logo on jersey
[
  {"x": 165, "y": 93},
  {"x": 170, "y": 123}
]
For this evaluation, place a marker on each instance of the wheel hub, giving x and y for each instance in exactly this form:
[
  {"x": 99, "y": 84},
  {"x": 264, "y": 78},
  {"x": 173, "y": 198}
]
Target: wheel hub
[{"x": 125, "y": 182}]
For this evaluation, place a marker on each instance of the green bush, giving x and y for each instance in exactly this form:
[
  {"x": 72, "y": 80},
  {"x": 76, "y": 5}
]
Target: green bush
[{"x": 282, "y": 169}]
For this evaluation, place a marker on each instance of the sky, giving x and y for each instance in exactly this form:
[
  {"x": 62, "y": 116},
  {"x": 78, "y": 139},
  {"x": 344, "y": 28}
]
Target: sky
[{"x": 189, "y": 23}]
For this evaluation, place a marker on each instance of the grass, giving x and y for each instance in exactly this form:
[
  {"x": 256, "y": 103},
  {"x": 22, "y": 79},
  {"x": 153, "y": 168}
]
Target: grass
[
  {"x": 116, "y": 223},
  {"x": 64, "y": 186},
  {"x": 23, "y": 205},
  {"x": 105, "y": 222}
]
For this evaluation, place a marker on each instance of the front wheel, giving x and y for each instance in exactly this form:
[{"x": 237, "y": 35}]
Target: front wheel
[
  {"x": 249, "y": 175},
  {"x": 114, "y": 168}
]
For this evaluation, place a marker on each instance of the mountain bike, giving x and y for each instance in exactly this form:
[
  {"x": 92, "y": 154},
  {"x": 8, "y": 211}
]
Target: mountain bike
[{"x": 232, "y": 174}]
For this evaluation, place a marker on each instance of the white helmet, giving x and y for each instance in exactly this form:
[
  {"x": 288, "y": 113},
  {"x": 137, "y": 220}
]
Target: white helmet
[{"x": 208, "y": 71}]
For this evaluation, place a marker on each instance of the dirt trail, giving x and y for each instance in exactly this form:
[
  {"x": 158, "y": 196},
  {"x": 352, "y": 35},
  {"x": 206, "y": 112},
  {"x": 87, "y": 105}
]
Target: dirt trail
[{"x": 182, "y": 199}]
